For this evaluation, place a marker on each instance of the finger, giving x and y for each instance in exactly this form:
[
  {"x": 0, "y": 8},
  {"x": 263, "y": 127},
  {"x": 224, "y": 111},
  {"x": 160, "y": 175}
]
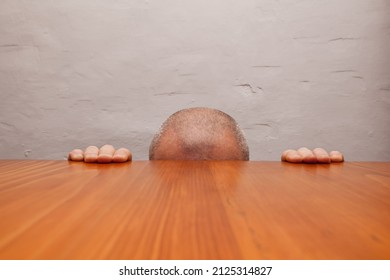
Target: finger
[
  {"x": 336, "y": 156},
  {"x": 105, "y": 154},
  {"x": 122, "y": 155},
  {"x": 76, "y": 155},
  {"x": 91, "y": 154},
  {"x": 321, "y": 155},
  {"x": 284, "y": 154},
  {"x": 307, "y": 155},
  {"x": 293, "y": 156}
]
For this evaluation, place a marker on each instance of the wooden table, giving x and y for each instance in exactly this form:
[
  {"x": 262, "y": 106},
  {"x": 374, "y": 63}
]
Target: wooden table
[{"x": 194, "y": 210}]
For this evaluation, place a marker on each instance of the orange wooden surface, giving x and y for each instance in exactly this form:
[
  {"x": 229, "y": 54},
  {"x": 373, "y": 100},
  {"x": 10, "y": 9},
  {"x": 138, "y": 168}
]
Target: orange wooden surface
[{"x": 194, "y": 210}]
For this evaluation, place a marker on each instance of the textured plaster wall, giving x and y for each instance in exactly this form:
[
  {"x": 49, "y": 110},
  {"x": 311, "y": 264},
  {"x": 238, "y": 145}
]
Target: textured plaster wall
[{"x": 292, "y": 72}]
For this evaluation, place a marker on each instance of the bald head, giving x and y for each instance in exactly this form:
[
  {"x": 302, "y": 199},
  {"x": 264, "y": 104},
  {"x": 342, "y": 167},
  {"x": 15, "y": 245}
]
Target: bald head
[{"x": 199, "y": 134}]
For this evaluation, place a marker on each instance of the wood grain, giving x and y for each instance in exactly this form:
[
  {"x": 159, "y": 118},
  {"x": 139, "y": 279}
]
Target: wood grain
[{"x": 194, "y": 210}]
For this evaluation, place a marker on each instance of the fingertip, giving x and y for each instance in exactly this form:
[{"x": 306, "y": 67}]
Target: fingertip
[
  {"x": 321, "y": 155},
  {"x": 120, "y": 158},
  {"x": 336, "y": 156},
  {"x": 323, "y": 159},
  {"x": 293, "y": 157},
  {"x": 122, "y": 155},
  {"x": 90, "y": 158},
  {"x": 105, "y": 154},
  {"x": 310, "y": 159},
  {"x": 284, "y": 154},
  {"x": 91, "y": 149},
  {"x": 76, "y": 155},
  {"x": 107, "y": 147},
  {"x": 307, "y": 155},
  {"x": 104, "y": 158}
]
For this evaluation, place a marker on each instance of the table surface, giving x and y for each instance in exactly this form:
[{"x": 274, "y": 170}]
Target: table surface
[{"x": 194, "y": 210}]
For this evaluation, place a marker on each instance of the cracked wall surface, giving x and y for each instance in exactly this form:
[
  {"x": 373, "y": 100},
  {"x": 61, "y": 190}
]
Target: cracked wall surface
[{"x": 291, "y": 72}]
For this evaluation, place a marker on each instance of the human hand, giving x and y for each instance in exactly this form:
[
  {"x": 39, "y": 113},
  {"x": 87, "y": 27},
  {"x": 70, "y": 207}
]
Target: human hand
[
  {"x": 105, "y": 154},
  {"x": 318, "y": 155}
]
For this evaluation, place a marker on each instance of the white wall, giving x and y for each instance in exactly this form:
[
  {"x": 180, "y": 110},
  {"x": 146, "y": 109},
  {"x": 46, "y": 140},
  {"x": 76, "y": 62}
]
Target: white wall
[{"x": 292, "y": 72}]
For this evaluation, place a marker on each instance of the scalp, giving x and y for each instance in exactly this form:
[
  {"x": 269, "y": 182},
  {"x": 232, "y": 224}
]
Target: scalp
[{"x": 200, "y": 133}]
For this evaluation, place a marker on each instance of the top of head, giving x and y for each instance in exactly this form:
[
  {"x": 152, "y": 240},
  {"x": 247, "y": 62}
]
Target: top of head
[{"x": 199, "y": 134}]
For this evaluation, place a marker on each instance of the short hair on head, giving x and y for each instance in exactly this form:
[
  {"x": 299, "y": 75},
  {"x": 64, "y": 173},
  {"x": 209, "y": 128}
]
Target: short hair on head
[{"x": 199, "y": 131}]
